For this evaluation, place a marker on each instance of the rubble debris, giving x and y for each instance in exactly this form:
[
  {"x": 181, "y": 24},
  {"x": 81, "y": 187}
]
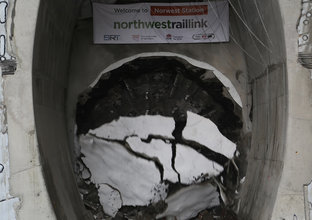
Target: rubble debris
[
  {"x": 110, "y": 199},
  {"x": 216, "y": 213},
  {"x": 141, "y": 212}
]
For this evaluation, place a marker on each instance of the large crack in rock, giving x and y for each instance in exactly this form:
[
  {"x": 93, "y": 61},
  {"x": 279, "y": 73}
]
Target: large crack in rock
[
  {"x": 205, "y": 132},
  {"x": 126, "y": 145},
  {"x": 141, "y": 126},
  {"x": 159, "y": 149},
  {"x": 194, "y": 167},
  {"x": 180, "y": 122},
  {"x": 205, "y": 151},
  {"x": 137, "y": 179}
]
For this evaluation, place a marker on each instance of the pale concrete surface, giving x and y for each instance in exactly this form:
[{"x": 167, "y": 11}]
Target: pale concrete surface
[
  {"x": 297, "y": 162},
  {"x": 267, "y": 73},
  {"x": 26, "y": 181},
  {"x": 7, "y": 202}
]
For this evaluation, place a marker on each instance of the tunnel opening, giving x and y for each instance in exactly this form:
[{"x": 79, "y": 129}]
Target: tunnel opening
[
  {"x": 68, "y": 63},
  {"x": 165, "y": 111}
]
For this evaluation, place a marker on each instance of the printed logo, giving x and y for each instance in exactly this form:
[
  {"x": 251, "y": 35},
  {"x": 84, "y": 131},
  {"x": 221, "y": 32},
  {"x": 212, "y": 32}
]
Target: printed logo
[
  {"x": 173, "y": 37},
  {"x": 111, "y": 37},
  {"x": 136, "y": 37},
  {"x": 177, "y": 38},
  {"x": 203, "y": 36},
  {"x": 148, "y": 37}
]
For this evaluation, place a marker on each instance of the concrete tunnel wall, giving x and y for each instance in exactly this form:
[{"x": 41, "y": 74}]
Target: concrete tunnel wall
[
  {"x": 55, "y": 24},
  {"x": 53, "y": 79}
]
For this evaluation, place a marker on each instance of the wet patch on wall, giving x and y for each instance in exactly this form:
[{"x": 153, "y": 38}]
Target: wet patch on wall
[{"x": 159, "y": 138}]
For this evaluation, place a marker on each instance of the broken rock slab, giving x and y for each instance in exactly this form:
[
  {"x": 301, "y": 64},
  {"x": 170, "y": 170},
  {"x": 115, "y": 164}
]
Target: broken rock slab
[
  {"x": 189, "y": 201},
  {"x": 192, "y": 165},
  {"x": 137, "y": 179},
  {"x": 141, "y": 126},
  {"x": 157, "y": 149},
  {"x": 204, "y": 131}
]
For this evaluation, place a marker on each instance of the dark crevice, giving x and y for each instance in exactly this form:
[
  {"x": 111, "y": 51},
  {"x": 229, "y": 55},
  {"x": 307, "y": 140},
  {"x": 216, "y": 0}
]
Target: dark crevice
[
  {"x": 124, "y": 143},
  {"x": 180, "y": 123},
  {"x": 174, "y": 187},
  {"x": 174, "y": 153},
  {"x": 202, "y": 149}
]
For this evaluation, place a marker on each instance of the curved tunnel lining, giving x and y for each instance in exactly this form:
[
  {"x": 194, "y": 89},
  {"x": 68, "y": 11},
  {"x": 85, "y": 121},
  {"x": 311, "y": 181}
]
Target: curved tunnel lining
[{"x": 258, "y": 198}]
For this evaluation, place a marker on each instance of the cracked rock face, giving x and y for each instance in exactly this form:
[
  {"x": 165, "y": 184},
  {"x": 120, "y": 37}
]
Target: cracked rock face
[
  {"x": 156, "y": 141},
  {"x": 158, "y": 149},
  {"x": 196, "y": 130},
  {"x": 137, "y": 179},
  {"x": 141, "y": 126}
]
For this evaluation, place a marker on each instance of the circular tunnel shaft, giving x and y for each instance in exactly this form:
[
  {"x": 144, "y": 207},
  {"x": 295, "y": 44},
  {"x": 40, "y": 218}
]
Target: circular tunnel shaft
[
  {"x": 64, "y": 53},
  {"x": 165, "y": 89}
]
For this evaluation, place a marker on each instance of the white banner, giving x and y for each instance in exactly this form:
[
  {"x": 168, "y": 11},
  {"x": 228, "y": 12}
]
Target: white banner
[{"x": 150, "y": 23}]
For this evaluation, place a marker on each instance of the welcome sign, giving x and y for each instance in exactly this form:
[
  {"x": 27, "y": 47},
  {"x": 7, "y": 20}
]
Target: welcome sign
[{"x": 161, "y": 23}]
